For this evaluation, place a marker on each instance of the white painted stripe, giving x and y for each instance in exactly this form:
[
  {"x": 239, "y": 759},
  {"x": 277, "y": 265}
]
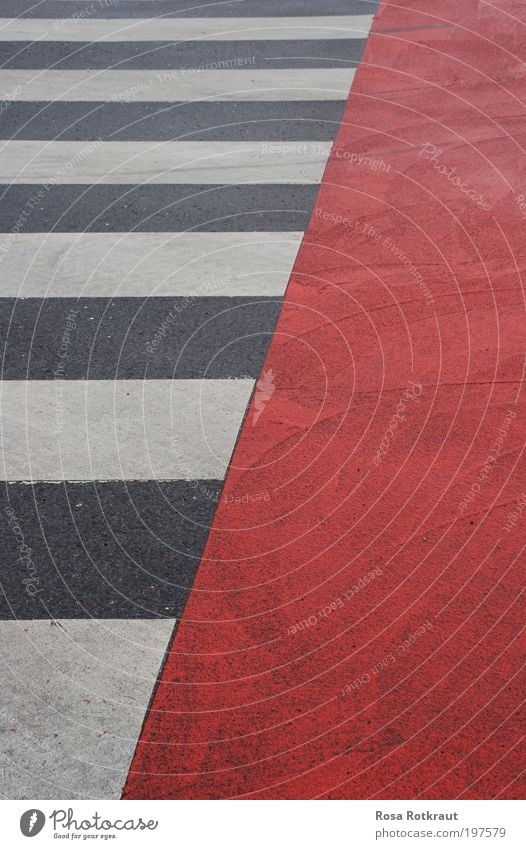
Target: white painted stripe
[
  {"x": 179, "y": 29},
  {"x": 119, "y": 429},
  {"x": 196, "y": 162},
  {"x": 177, "y": 85},
  {"x": 146, "y": 264},
  {"x": 75, "y": 693}
]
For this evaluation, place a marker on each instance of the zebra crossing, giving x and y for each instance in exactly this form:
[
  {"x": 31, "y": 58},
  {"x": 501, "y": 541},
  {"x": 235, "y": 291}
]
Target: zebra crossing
[{"x": 158, "y": 167}]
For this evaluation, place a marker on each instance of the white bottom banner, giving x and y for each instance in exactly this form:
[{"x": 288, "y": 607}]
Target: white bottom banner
[{"x": 259, "y": 824}]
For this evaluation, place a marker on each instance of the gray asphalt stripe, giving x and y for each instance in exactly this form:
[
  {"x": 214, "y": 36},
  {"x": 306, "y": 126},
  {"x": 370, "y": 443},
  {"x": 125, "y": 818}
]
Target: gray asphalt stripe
[
  {"x": 192, "y": 162},
  {"x": 146, "y": 264},
  {"x": 181, "y": 8},
  {"x": 104, "y": 208},
  {"x": 76, "y": 692},
  {"x": 314, "y": 120},
  {"x": 133, "y": 430},
  {"x": 102, "y": 549},
  {"x": 135, "y": 338},
  {"x": 189, "y": 58},
  {"x": 132, "y": 86},
  {"x": 180, "y": 29}
]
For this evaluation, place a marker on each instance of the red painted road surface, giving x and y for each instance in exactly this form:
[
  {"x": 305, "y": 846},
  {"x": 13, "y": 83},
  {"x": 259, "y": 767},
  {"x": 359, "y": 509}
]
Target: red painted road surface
[{"x": 355, "y": 628}]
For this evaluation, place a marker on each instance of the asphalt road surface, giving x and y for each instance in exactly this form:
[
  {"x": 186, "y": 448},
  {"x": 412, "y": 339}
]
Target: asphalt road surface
[
  {"x": 261, "y": 409},
  {"x": 158, "y": 170}
]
